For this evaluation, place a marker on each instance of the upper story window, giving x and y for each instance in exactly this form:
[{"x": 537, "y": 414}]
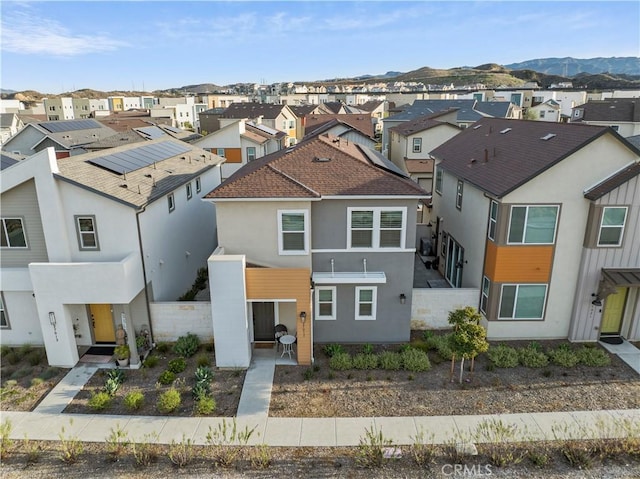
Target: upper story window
[
  {"x": 13, "y": 234},
  {"x": 522, "y": 301},
  {"x": 171, "y": 202},
  {"x": 493, "y": 220},
  {"x": 325, "y": 302},
  {"x": 533, "y": 224},
  {"x": 382, "y": 227},
  {"x": 417, "y": 145},
  {"x": 438, "y": 181},
  {"x": 87, "y": 233},
  {"x": 612, "y": 225},
  {"x": 220, "y": 152},
  {"x": 189, "y": 191},
  {"x": 198, "y": 185},
  {"x": 459, "y": 190},
  {"x": 251, "y": 153},
  {"x": 293, "y": 236}
]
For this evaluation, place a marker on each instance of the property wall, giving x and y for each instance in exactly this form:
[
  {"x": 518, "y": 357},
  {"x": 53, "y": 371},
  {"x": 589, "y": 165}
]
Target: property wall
[
  {"x": 24, "y": 326},
  {"x": 171, "y": 320},
  {"x": 430, "y": 308}
]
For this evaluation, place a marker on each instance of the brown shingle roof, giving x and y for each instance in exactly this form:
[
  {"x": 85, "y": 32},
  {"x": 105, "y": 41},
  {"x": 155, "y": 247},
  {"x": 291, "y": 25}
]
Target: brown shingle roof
[
  {"x": 253, "y": 110},
  {"x": 360, "y": 122},
  {"x": 419, "y": 166},
  {"x": 322, "y": 166},
  {"x": 615, "y": 180},
  {"x": 499, "y": 155},
  {"x": 421, "y": 123},
  {"x": 622, "y": 109}
]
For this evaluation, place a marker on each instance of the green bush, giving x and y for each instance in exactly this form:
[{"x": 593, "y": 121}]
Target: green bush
[
  {"x": 367, "y": 348},
  {"x": 186, "y": 346},
  {"x": 390, "y": 361},
  {"x": 503, "y": 356},
  {"x": 205, "y": 405},
  {"x": 203, "y": 360},
  {"x": 166, "y": 377},
  {"x": 441, "y": 343},
  {"x": 203, "y": 373},
  {"x": 35, "y": 357},
  {"x": 36, "y": 382},
  {"x": 421, "y": 345},
  {"x": 12, "y": 357},
  {"x": 365, "y": 361},
  {"x": 564, "y": 356},
  {"x": 177, "y": 365},
  {"x": 594, "y": 357},
  {"x": 341, "y": 361},
  {"x": 201, "y": 390},
  {"x": 99, "y": 401},
  {"x": 151, "y": 361},
  {"x": 415, "y": 360},
  {"x": 21, "y": 373},
  {"x": 332, "y": 349},
  {"x": 134, "y": 400},
  {"x": 49, "y": 373},
  {"x": 168, "y": 401},
  {"x": 532, "y": 357},
  {"x": 163, "y": 347}
]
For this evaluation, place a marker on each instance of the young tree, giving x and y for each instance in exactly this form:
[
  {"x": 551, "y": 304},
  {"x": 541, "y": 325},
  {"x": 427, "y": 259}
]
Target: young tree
[{"x": 468, "y": 339}]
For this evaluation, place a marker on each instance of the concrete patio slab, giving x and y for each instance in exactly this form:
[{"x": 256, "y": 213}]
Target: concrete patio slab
[{"x": 318, "y": 432}]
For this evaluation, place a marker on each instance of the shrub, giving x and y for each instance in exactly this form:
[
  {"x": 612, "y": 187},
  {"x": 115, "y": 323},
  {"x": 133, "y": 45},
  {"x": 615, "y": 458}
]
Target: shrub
[
  {"x": 227, "y": 442},
  {"x": 532, "y": 357},
  {"x": 166, "y": 377},
  {"x": 441, "y": 343},
  {"x": 35, "y": 357},
  {"x": 181, "y": 453},
  {"x": 203, "y": 360},
  {"x": 332, "y": 349},
  {"x": 186, "y": 346},
  {"x": 205, "y": 405},
  {"x": 70, "y": 447},
  {"x": 99, "y": 401},
  {"x": 503, "y": 356},
  {"x": 564, "y": 356},
  {"x": 10, "y": 383},
  {"x": 117, "y": 443},
  {"x": 12, "y": 357},
  {"x": 203, "y": 373},
  {"x": 177, "y": 365},
  {"x": 370, "y": 450},
  {"x": 367, "y": 348},
  {"x": 201, "y": 390},
  {"x": 5, "y": 441},
  {"x": 134, "y": 400},
  {"x": 421, "y": 345},
  {"x": 151, "y": 361},
  {"x": 260, "y": 457},
  {"x": 49, "y": 373},
  {"x": 365, "y": 361},
  {"x": 415, "y": 360},
  {"x": 423, "y": 450},
  {"x": 308, "y": 374},
  {"x": 168, "y": 401},
  {"x": 341, "y": 361},
  {"x": 36, "y": 382},
  {"x": 22, "y": 372},
  {"x": 163, "y": 347},
  {"x": 390, "y": 361},
  {"x": 594, "y": 357},
  {"x": 146, "y": 452}
]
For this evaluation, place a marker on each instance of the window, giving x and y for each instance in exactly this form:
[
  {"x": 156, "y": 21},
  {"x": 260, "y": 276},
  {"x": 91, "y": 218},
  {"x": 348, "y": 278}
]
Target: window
[
  {"x": 220, "y": 152},
  {"x": 292, "y": 232},
  {"x": 439, "y": 181},
  {"x": 376, "y": 227},
  {"x": 189, "y": 191},
  {"x": 541, "y": 113},
  {"x": 284, "y": 125},
  {"x": 87, "y": 233},
  {"x": 533, "y": 224},
  {"x": 13, "y": 235},
  {"x": 366, "y": 303},
  {"x": 251, "y": 153},
  {"x": 522, "y": 301},
  {"x": 171, "y": 202},
  {"x": 198, "y": 185},
  {"x": 612, "y": 225},
  {"x": 493, "y": 220},
  {"x": 459, "y": 195},
  {"x": 325, "y": 302},
  {"x": 52, "y": 108},
  {"x": 4, "y": 319},
  {"x": 484, "y": 298},
  {"x": 292, "y": 124},
  {"x": 417, "y": 145},
  {"x": 454, "y": 262}
]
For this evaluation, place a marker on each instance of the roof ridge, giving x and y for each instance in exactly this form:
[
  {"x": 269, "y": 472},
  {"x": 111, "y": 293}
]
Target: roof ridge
[{"x": 293, "y": 180}]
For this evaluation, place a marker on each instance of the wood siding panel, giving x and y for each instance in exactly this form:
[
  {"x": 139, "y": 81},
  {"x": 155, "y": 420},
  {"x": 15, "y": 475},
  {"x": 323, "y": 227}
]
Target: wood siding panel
[
  {"x": 286, "y": 283},
  {"x": 233, "y": 155},
  {"x": 518, "y": 264}
]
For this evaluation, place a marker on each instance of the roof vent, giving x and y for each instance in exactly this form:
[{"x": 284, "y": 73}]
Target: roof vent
[
  {"x": 476, "y": 127},
  {"x": 548, "y": 136},
  {"x": 321, "y": 159},
  {"x": 148, "y": 176},
  {"x": 506, "y": 130},
  {"x": 123, "y": 185}
]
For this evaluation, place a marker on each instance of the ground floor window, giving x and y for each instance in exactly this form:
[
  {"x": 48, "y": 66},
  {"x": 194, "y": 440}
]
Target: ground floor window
[
  {"x": 522, "y": 301},
  {"x": 325, "y": 302},
  {"x": 454, "y": 260},
  {"x": 366, "y": 302}
]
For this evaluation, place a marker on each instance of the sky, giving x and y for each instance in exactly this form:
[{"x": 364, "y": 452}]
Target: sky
[{"x": 55, "y": 47}]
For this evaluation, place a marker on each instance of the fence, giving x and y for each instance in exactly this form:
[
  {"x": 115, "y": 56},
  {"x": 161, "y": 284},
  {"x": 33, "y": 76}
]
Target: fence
[
  {"x": 172, "y": 320},
  {"x": 430, "y": 307}
]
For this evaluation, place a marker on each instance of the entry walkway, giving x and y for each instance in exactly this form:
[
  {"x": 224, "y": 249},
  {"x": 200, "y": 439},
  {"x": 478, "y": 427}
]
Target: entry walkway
[{"x": 625, "y": 351}]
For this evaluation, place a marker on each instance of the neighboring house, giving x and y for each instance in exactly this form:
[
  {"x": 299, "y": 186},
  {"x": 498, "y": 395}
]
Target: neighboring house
[
  {"x": 411, "y": 142},
  {"x": 88, "y": 241},
  {"x": 378, "y": 110},
  {"x": 321, "y": 238},
  {"x": 356, "y": 128},
  {"x": 9, "y": 159},
  {"x": 514, "y": 219},
  {"x": 277, "y": 117},
  {"x": 10, "y": 124},
  {"x": 301, "y": 112},
  {"x": 241, "y": 142},
  {"x": 210, "y": 120},
  {"x": 67, "y": 137},
  {"x": 621, "y": 114},
  {"x": 547, "y": 111}
]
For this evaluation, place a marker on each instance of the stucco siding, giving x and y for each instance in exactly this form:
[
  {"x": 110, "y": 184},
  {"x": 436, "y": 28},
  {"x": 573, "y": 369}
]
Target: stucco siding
[
  {"x": 22, "y": 314},
  {"x": 24, "y": 140},
  {"x": 174, "y": 319}
]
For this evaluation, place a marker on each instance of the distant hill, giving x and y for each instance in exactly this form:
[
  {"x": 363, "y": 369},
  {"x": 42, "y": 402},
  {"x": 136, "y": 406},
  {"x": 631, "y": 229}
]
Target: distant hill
[{"x": 570, "y": 67}]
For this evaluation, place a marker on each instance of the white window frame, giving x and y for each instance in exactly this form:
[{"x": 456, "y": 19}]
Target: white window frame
[
  {"x": 251, "y": 157},
  {"x": 526, "y": 217},
  {"x": 493, "y": 220},
  {"x": 459, "y": 194},
  {"x": 374, "y": 303},
  {"x": 94, "y": 231},
  {"x": 515, "y": 303},
  {"x": 375, "y": 236},
  {"x": 438, "y": 182},
  {"x": 334, "y": 308},
  {"x": 24, "y": 232},
  {"x": 189, "y": 191},
  {"x": 484, "y": 294},
  {"x": 281, "y": 250},
  {"x": 171, "y": 202},
  {"x": 417, "y": 145},
  {"x": 220, "y": 152},
  {"x": 198, "y": 185},
  {"x": 3, "y": 313},
  {"x": 621, "y": 227}
]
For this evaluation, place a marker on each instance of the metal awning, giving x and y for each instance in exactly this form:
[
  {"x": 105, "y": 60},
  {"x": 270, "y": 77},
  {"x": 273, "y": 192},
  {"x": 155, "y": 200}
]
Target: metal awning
[
  {"x": 357, "y": 277},
  {"x": 622, "y": 277}
]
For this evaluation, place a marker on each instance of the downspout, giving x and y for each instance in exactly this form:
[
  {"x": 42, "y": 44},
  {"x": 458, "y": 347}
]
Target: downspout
[{"x": 144, "y": 274}]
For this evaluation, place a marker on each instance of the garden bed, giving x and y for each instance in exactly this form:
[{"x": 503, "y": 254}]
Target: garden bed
[{"x": 319, "y": 391}]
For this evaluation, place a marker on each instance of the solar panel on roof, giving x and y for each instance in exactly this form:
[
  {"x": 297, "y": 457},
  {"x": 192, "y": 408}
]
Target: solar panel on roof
[
  {"x": 140, "y": 157},
  {"x": 381, "y": 162},
  {"x": 70, "y": 125},
  {"x": 264, "y": 128},
  {"x": 151, "y": 132},
  {"x": 172, "y": 129}
]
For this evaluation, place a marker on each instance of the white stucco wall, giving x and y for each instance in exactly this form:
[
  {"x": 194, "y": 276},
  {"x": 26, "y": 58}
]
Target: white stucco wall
[
  {"x": 24, "y": 326},
  {"x": 430, "y": 307},
  {"x": 174, "y": 319}
]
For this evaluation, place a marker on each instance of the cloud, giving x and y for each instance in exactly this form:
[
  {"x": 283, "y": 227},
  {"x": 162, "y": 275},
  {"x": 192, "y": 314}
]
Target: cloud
[{"x": 27, "y": 34}]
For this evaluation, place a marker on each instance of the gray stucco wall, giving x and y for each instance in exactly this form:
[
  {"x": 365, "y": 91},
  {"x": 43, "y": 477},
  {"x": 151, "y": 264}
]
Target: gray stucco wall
[{"x": 24, "y": 140}]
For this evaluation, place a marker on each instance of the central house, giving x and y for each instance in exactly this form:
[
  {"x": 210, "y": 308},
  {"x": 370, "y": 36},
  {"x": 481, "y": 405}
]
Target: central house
[{"x": 319, "y": 238}]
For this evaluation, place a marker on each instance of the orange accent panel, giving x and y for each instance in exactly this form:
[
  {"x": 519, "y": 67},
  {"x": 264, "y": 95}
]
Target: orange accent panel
[
  {"x": 518, "y": 264},
  {"x": 233, "y": 155},
  {"x": 286, "y": 283}
]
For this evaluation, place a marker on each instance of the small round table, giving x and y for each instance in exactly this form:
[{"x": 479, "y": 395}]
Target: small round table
[{"x": 287, "y": 344}]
